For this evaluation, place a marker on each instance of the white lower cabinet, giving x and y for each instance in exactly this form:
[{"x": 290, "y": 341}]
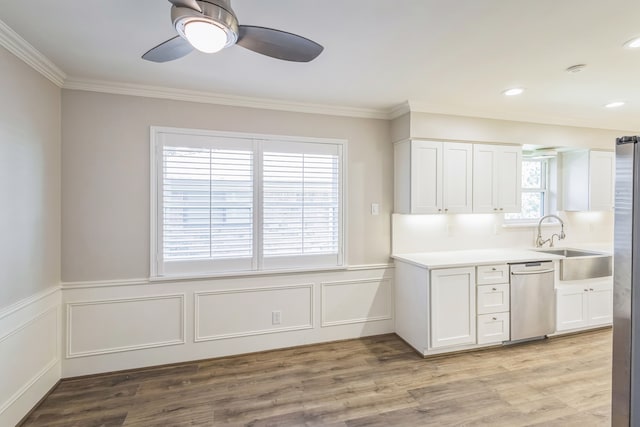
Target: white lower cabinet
[
  {"x": 452, "y": 307},
  {"x": 493, "y": 304},
  {"x": 493, "y": 328},
  {"x": 583, "y": 305}
]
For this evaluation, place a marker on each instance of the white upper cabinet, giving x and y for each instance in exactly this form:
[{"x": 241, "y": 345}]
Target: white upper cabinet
[
  {"x": 588, "y": 179},
  {"x": 497, "y": 178},
  {"x": 433, "y": 177}
]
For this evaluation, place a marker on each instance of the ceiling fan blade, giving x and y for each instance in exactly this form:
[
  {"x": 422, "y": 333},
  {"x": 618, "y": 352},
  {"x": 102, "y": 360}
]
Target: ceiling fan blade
[
  {"x": 190, "y": 4},
  {"x": 174, "y": 48},
  {"x": 278, "y": 44}
]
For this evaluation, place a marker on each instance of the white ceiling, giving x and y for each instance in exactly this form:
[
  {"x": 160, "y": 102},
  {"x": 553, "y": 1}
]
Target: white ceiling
[{"x": 446, "y": 56}]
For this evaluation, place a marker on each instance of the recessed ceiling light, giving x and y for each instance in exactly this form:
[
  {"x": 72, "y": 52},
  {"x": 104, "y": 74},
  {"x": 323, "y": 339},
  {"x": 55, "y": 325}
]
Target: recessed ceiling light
[
  {"x": 513, "y": 91},
  {"x": 614, "y": 104},
  {"x": 633, "y": 43}
]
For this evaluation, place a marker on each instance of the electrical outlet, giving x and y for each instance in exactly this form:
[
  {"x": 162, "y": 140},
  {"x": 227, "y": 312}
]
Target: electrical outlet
[
  {"x": 276, "y": 317},
  {"x": 375, "y": 209}
]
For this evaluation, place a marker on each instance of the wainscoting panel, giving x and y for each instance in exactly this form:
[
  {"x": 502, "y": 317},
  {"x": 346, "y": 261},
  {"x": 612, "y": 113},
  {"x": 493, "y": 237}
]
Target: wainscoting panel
[
  {"x": 117, "y": 325},
  {"x": 245, "y": 312},
  {"x": 356, "y": 301},
  {"x": 30, "y": 354},
  {"x": 112, "y": 326}
]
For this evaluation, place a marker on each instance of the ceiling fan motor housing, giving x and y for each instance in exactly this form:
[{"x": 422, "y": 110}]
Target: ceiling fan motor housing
[{"x": 216, "y": 12}]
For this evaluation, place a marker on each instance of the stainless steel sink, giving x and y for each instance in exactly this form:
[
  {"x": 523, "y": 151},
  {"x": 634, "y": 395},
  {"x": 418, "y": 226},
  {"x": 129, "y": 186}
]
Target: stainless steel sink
[
  {"x": 580, "y": 265},
  {"x": 569, "y": 253}
]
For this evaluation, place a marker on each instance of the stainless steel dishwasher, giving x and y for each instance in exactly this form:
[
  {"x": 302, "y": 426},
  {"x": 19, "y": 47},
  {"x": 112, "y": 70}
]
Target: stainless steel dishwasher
[{"x": 533, "y": 308}]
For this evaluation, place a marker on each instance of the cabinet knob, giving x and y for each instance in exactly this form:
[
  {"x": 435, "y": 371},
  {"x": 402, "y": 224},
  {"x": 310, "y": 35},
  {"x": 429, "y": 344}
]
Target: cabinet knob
[
  {"x": 495, "y": 209},
  {"x": 494, "y": 289},
  {"x": 446, "y": 210},
  {"x": 494, "y": 318},
  {"x": 586, "y": 290},
  {"x": 493, "y": 269},
  {"x": 501, "y": 209},
  {"x": 591, "y": 289},
  {"x": 439, "y": 210}
]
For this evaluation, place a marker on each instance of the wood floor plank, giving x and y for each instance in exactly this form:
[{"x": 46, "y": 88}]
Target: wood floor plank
[{"x": 374, "y": 381}]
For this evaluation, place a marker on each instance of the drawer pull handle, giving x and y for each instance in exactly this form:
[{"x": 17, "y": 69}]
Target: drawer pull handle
[
  {"x": 591, "y": 289},
  {"x": 586, "y": 290}
]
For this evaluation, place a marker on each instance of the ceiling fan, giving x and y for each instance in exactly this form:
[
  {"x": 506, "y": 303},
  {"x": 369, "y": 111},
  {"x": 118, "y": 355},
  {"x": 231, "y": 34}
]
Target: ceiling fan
[{"x": 211, "y": 25}]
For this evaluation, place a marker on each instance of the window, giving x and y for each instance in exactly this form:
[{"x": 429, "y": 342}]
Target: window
[
  {"x": 231, "y": 202},
  {"x": 535, "y": 198}
]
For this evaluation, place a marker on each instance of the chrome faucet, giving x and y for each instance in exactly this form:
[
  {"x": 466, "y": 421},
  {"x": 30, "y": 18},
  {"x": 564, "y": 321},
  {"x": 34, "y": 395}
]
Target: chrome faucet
[{"x": 539, "y": 241}]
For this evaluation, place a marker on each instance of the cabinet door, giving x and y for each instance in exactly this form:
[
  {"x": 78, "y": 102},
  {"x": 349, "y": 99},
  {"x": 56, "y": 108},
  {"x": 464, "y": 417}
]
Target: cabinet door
[
  {"x": 485, "y": 198},
  {"x": 509, "y": 180},
  {"x": 572, "y": 308},
  {"x": 458, "y": 179},
  {"x": 601, "y": 180},
  {"x": 493, "y": 328},
  {"x": 453, "y": 307},
  {"x": 600, "y": 304},
  {"x": 426, "y": 177}
]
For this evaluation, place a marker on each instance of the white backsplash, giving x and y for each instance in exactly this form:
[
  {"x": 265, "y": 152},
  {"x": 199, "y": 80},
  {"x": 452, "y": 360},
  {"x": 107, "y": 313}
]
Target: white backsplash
[{"x": 427, "y": 233}]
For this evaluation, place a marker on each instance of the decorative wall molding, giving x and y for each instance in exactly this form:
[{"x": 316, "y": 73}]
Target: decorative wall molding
[
  {"x": 104, "y": 283},
  {"x": 13, "y": 308},
  {"x": 22, "y": 49},
  {"x": 161, "y": 280},
  {"x": 353, "y": 317},
  {"x": 47, "y": 367},
  {"x": 70, "y": 306},
  {"x": 30, "y": 333},
  {"x": 118, "y": 88},
  {"x": 198, "y": 296}
]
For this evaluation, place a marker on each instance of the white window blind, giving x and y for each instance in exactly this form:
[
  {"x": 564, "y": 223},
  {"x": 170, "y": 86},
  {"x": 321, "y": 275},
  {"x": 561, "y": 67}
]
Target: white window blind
[
  {"x": 208, "y": 203},
  {"x": 301, "y": 209},
  {"x": 225, "y": 204}
]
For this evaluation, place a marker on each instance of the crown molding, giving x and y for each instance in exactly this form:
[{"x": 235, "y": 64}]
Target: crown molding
[
  {"x": 22, "y": 49},
  {"x": 118, "y": 88},
  {"x": 399, "y": 110}
]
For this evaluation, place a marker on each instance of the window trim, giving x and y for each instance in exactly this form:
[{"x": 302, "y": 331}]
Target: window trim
[{"x": 155, "y": 177}]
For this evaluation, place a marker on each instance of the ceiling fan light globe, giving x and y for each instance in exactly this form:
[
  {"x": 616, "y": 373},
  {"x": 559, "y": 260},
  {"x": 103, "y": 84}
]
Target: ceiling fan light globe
[{"x": 205, "y": 36}]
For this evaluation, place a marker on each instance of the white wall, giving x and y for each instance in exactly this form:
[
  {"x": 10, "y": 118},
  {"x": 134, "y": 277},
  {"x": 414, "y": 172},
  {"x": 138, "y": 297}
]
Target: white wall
[
  {"x": 29, "y": 181},
  {"x": 474, "y": 129},
  {"x": 105, "y": 154},
  {"x": 427, "y": 233},
  {"x": 30, "y": 237}
]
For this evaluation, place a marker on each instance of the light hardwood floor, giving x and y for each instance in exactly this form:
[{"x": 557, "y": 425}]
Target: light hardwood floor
[{"x": 377, "y": 381}]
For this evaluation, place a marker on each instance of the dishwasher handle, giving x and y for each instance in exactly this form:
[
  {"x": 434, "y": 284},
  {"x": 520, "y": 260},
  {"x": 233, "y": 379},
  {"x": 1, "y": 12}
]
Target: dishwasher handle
[{"x": 524, "y": 273}]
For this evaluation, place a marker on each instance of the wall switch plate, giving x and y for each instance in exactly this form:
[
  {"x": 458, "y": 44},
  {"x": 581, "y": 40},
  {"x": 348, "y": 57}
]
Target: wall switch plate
[
  {"x": 375, "y": 209},
  {"x": 276, "y": 317}
]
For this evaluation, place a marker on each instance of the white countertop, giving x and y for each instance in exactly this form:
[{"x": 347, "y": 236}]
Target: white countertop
[{"x": 446, "y": 259}]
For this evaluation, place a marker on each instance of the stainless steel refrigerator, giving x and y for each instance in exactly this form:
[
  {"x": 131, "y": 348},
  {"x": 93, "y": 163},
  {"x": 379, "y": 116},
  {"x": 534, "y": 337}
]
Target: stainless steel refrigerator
[{"x": 626, "y": 285}]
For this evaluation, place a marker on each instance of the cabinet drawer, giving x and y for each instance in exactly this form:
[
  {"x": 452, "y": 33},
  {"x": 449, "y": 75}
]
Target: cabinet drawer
[
  {"x": 489, "y": 274},
  {"x": 493, "y": 298},
  {"x": 493, "y": 328}
]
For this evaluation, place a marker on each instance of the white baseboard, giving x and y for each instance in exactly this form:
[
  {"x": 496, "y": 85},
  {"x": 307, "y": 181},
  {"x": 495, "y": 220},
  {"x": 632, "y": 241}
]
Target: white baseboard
[
  {"x": 30, "y": 337},
  {"x": 220, "y": 317}
]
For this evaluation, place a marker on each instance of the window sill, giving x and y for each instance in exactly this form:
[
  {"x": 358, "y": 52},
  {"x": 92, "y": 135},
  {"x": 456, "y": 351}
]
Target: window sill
[{"x": 240, "y": 274}]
